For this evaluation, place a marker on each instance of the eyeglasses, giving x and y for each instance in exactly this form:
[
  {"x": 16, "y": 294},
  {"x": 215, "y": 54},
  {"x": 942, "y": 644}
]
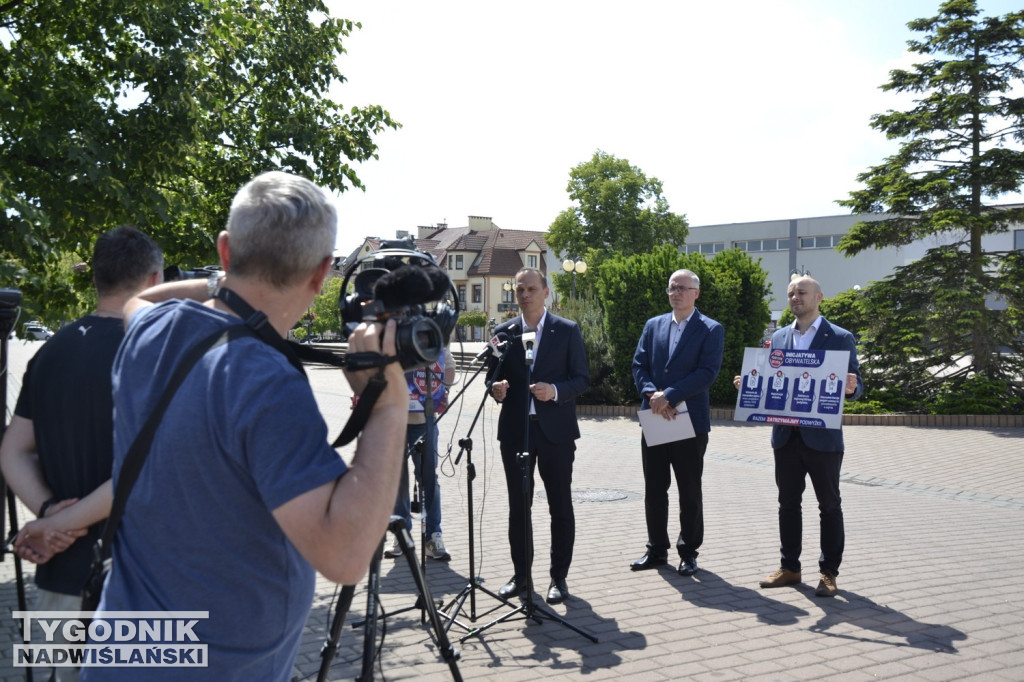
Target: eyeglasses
[{"x": 679, "y": 290}]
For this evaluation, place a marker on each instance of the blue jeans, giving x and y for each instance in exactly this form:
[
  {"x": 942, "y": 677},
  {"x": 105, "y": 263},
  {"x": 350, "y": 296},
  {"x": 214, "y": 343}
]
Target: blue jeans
[{"x": 430, "y": 489}]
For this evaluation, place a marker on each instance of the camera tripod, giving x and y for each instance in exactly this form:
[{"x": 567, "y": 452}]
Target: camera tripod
[{"x": 448, "y": 653}]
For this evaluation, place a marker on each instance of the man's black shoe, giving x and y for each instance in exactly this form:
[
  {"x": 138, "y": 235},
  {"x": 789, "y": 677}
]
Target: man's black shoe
[
  {"x": 688, "y": 566},
  {"x": 512, "y": 587},
  {"x": 558, "y": 592},
  {"x": 648, "y": 560}
]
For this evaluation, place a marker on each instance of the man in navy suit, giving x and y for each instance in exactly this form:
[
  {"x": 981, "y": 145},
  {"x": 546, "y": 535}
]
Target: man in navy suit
[
  {"x": 676, "y": 361},
  {"x": 814, "y": 452},
  {"x": 538, "y": 417}
]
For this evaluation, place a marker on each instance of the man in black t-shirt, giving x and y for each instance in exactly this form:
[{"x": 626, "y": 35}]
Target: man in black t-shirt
[{"x": 59, "y": 445}]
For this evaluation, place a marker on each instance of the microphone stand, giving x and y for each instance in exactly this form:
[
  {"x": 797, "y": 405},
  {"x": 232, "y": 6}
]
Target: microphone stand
[
  {"x": 528, "y": 609},
  {"x": 455, "y": 607}
]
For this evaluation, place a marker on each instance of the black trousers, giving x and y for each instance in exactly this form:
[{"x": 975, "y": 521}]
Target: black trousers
[
  {"x": 794, "y": 462},
  {"x": 554, "y": 460},
  {"x": 685, "y": 458}
]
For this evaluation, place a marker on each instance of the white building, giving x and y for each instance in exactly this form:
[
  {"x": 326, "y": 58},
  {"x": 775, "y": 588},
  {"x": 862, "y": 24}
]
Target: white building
[{"x": 806, "y": 246}]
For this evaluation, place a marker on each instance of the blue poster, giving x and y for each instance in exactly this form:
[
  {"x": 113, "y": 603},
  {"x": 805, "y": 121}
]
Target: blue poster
[{"x": 805, "y": 388}]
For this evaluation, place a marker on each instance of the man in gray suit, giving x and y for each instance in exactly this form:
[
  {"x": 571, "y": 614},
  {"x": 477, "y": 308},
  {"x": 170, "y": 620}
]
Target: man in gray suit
[{"x": 814, "y": 452}]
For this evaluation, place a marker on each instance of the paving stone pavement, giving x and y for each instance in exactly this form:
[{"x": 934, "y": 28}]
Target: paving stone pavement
[{"x": 928, "y": 588}]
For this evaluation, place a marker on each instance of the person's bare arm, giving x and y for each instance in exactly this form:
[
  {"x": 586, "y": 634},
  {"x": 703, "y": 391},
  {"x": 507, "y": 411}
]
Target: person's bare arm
[
  {"x": 19, "y": 460},
  {"x": 338, "y": 526},
  {"x": 195, "y": 289}
]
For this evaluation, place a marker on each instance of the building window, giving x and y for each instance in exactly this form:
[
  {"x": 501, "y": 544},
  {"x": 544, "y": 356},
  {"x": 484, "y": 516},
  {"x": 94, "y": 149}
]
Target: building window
[
  {"x": 508, "y": 296},
  {"x": 706, "y": 248},
  {"x": 531, "y": 261},
  {"x": 458, "y": 262},
  {"x": 1018, "y": 240},
  {"x": 823, "y": 242},
  {"x": 478, "y": 293},
  {"x": 451, "y": 262},
  {"x": 462, "y": 295}
]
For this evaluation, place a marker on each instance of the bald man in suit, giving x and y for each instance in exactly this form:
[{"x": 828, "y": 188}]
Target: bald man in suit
[{"x": 811, "y": 452}]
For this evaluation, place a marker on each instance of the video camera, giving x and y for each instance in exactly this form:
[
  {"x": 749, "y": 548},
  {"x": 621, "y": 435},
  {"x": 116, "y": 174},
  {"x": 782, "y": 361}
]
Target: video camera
[
  {"x": 400, "y": 282},
  {"x": 173, "y": 273},
  {"x": 10, "y": 300}
]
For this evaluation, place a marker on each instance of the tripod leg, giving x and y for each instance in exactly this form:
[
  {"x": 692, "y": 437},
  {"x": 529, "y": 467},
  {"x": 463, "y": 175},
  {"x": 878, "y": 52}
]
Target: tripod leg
[
  {"x": 370, "y": 623},
  {"x": 12, "y": 513},
  {"x": 330, "y": 650},
  {"x": 448, "y": 653}
]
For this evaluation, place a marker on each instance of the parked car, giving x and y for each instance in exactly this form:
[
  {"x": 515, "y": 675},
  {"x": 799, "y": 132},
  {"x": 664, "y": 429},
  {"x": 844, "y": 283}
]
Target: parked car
[{"x": 34, "y": 330}]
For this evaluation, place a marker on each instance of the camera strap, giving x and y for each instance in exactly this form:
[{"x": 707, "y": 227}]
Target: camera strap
[
  {"x": 257, "y": 321},
  {"x": 297, "y": 353}
]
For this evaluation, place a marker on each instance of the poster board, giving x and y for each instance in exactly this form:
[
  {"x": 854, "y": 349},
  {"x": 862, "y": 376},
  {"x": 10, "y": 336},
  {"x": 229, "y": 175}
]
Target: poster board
[{"x": 805, "y": 388}]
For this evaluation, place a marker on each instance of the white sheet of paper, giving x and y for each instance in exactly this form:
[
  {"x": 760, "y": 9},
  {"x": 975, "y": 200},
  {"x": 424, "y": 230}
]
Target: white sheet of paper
[{"x": 658, "y": 430}]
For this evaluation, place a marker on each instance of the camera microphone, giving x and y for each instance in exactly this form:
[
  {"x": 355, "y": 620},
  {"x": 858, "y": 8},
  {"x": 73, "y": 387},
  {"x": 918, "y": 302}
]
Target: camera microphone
[
  {"x": 528, "y": 339},
  {"x": 404, "y": 286}
]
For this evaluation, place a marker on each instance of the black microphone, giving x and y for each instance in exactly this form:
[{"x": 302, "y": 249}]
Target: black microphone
[
  {"x": 496, "y": 346},
  {"x": 440, "y": 284},
  {"x": 404, "y": 286}
]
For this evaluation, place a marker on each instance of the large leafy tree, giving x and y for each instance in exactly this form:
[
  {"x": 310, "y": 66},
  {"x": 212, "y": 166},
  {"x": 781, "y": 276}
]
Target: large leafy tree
[
  {"x": 617, "y": 210},
  {"x": 948, "y": 318},
  {"x": 154, "y": 113}
]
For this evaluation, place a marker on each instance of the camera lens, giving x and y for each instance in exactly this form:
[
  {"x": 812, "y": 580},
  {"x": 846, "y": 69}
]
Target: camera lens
[{"x": 418, "y": 341}]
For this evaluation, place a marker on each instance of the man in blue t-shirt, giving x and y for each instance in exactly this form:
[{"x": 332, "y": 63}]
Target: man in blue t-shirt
[{"x": 241, "y": 500}]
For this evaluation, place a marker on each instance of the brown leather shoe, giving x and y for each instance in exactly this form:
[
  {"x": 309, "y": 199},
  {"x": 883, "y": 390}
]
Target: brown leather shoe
[
  {"x": 781, "y": 578},
  {"x": 826, "y": 586}
]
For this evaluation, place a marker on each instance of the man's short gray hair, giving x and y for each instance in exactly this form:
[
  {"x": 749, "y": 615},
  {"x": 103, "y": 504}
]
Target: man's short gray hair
[
  {"x": 280, "y": 228},
  {"x": 694, "y": 279}
]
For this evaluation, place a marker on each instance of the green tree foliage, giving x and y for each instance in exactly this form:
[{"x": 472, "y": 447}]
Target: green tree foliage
[
  {"x": 586, "y": 311},
  {"x": 733, "y": 291},
  {"x": 473, "y": 318},
  {"x": 326, "y": 311},
  {"x": 618, "y": 210},
  {"x": 936, "y": 324},
  {"x": 155, "y": 114},
  {"x": 916, "y": 345}
]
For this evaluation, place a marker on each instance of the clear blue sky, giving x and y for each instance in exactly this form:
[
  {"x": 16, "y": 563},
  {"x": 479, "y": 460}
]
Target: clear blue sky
[{"x": 745, "y": 110}]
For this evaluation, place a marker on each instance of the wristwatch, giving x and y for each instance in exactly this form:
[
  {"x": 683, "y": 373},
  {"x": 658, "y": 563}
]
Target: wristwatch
[{"x": 213, "y": 283}]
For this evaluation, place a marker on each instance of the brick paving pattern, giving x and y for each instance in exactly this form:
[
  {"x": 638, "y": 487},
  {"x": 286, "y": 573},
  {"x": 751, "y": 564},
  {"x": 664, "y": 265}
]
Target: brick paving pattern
[{"x": 928, "y": 588}]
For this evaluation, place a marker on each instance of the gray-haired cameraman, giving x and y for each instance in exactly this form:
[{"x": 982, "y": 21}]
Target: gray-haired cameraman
[{"x": 241, "y": 498}]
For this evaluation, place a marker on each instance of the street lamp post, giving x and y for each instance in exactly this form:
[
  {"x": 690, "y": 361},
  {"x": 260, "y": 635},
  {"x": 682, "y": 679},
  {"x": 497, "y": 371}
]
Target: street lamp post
[
  {"x": 797, "y": 274},
  {"x": 574, "y": 266}
]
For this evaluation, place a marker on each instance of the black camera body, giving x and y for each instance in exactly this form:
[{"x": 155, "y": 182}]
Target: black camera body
[
  {"x": 174, "y": 273},
  {"x": 10, "y": 302},
  {"x": 400, "y": 282}
]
